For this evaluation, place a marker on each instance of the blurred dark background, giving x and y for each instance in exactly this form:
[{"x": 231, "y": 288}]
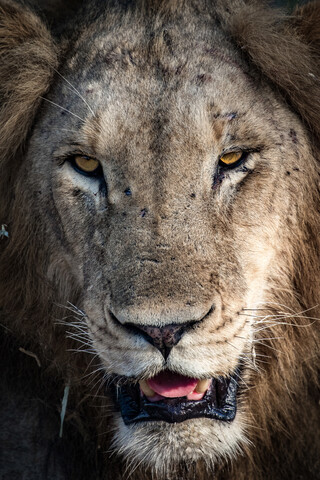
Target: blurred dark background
[{"x": 289, "y": 4}]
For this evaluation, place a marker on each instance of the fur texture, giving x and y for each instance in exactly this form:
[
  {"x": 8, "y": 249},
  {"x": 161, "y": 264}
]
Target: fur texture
[{"x": 157, "y": 92}]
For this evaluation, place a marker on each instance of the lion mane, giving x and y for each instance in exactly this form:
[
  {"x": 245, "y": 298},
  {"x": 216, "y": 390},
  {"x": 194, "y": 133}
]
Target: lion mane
[{"x": 57, "y": 415}]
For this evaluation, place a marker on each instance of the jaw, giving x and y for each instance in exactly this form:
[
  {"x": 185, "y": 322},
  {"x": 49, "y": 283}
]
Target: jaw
[{"x": 161, "y": 446}]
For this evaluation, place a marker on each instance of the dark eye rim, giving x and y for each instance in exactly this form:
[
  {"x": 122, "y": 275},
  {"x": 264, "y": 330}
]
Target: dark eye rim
[
  {"x": 97, "y": 173},
  {"x": 225, "y": 166}
]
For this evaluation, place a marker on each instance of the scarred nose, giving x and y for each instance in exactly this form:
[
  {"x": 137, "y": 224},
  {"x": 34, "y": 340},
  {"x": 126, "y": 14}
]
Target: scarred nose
[{"x": 164, "y": 338}]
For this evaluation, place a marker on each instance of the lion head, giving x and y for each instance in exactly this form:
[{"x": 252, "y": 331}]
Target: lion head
[{"x": 160, "y": 198}]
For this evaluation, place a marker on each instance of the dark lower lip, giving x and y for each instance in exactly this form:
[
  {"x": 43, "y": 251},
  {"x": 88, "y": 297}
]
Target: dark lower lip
[{"x": 219, "y": 403}]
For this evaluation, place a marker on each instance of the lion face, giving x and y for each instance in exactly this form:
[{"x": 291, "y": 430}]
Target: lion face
[
  {"x": 165, "y": 236},
  {"x": 169, "y": 186}
]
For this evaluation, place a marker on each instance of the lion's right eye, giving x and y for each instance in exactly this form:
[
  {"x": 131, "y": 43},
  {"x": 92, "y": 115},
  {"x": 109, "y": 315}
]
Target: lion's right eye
[{"x": 86, "y": 165}]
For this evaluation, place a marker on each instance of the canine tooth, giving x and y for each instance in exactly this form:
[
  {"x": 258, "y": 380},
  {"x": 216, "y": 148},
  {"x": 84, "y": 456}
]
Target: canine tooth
[
  {"x": 202, "y": 386},
  {"x": 146, "y": 389}
]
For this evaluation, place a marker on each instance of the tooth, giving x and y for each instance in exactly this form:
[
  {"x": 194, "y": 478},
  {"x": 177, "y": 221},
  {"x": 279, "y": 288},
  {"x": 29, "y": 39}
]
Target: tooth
[
  {"x": 202, "y": 386},
  {"x": 146, "y": 389}
]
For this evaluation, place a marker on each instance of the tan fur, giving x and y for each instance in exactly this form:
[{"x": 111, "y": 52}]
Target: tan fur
[
  {"x": 274, "y": 43},
  {"x": 156, "y": 91}
]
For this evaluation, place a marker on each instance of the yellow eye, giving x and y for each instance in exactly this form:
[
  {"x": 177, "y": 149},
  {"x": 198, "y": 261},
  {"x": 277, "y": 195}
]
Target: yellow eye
[
  {"x": 85, "y": 164},
  {"x": 230, "y": 159}
]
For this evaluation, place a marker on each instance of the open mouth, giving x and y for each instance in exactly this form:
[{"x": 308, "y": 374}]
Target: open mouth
[{"x": 174, "y": 398}]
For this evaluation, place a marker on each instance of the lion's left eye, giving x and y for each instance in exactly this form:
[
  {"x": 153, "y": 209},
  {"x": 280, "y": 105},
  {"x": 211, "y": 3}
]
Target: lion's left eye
[
  {"x": 86, "y": 165},
  {"x": 231, "y": 159}
]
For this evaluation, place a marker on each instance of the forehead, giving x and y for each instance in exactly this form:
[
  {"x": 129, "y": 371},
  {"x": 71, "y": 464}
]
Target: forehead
[
  {"x": 132, "y": 75},
  {"x": 143, "y": 61}
]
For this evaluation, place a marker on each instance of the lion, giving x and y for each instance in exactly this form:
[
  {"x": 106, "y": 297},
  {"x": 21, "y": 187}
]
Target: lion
[{"x": 159, "y": 271}]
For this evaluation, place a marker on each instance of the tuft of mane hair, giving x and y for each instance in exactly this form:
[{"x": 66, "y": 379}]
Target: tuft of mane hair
[
  {"x": 286, "y": 50},
  {"x": 28, "y": 58}
]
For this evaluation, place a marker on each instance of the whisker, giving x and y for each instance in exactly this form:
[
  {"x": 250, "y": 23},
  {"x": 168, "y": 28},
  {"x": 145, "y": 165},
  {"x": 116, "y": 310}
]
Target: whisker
[
  {"x": 240, "y": 380},
  {"x": 82, "y": 350},
  {"x": 97, "y": 370},
  {"x": 259, "y": 342},
  {"x": 75, "y": 90},
  {"x": 262, "y": 355},
  {"x": 270, "y": 325},
  {"x": 289, "y": 308},
  {"x": 254, "y": 309},
  {"x": 232, "y": 346},
  {"x": 62, "y": 108},
  {"x": 102, "y": 380},
  {"x": 271, "y": 338},
  {"x": 76, "y": 309},
  {"x": 72, "y": 308}
]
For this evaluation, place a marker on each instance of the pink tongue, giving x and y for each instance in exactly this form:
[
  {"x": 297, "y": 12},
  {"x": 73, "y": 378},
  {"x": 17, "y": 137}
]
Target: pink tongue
[{"x": 172, "y": 385}]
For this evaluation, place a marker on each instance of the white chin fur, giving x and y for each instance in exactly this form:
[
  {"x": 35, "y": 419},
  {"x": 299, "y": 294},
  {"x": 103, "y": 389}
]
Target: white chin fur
[{"x": 162, "y": 446}]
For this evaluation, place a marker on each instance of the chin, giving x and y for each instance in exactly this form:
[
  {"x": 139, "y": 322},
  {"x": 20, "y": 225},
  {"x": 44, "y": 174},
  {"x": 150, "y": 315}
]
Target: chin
[{"x": 162, "y": 447}]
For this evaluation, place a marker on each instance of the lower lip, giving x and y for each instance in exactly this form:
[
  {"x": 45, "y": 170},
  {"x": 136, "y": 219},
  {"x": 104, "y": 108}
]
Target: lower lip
[{"x": 218, "y": 403}]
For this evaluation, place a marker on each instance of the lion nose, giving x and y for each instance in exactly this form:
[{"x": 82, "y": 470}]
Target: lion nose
[{"x": 164, "y": 338}]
